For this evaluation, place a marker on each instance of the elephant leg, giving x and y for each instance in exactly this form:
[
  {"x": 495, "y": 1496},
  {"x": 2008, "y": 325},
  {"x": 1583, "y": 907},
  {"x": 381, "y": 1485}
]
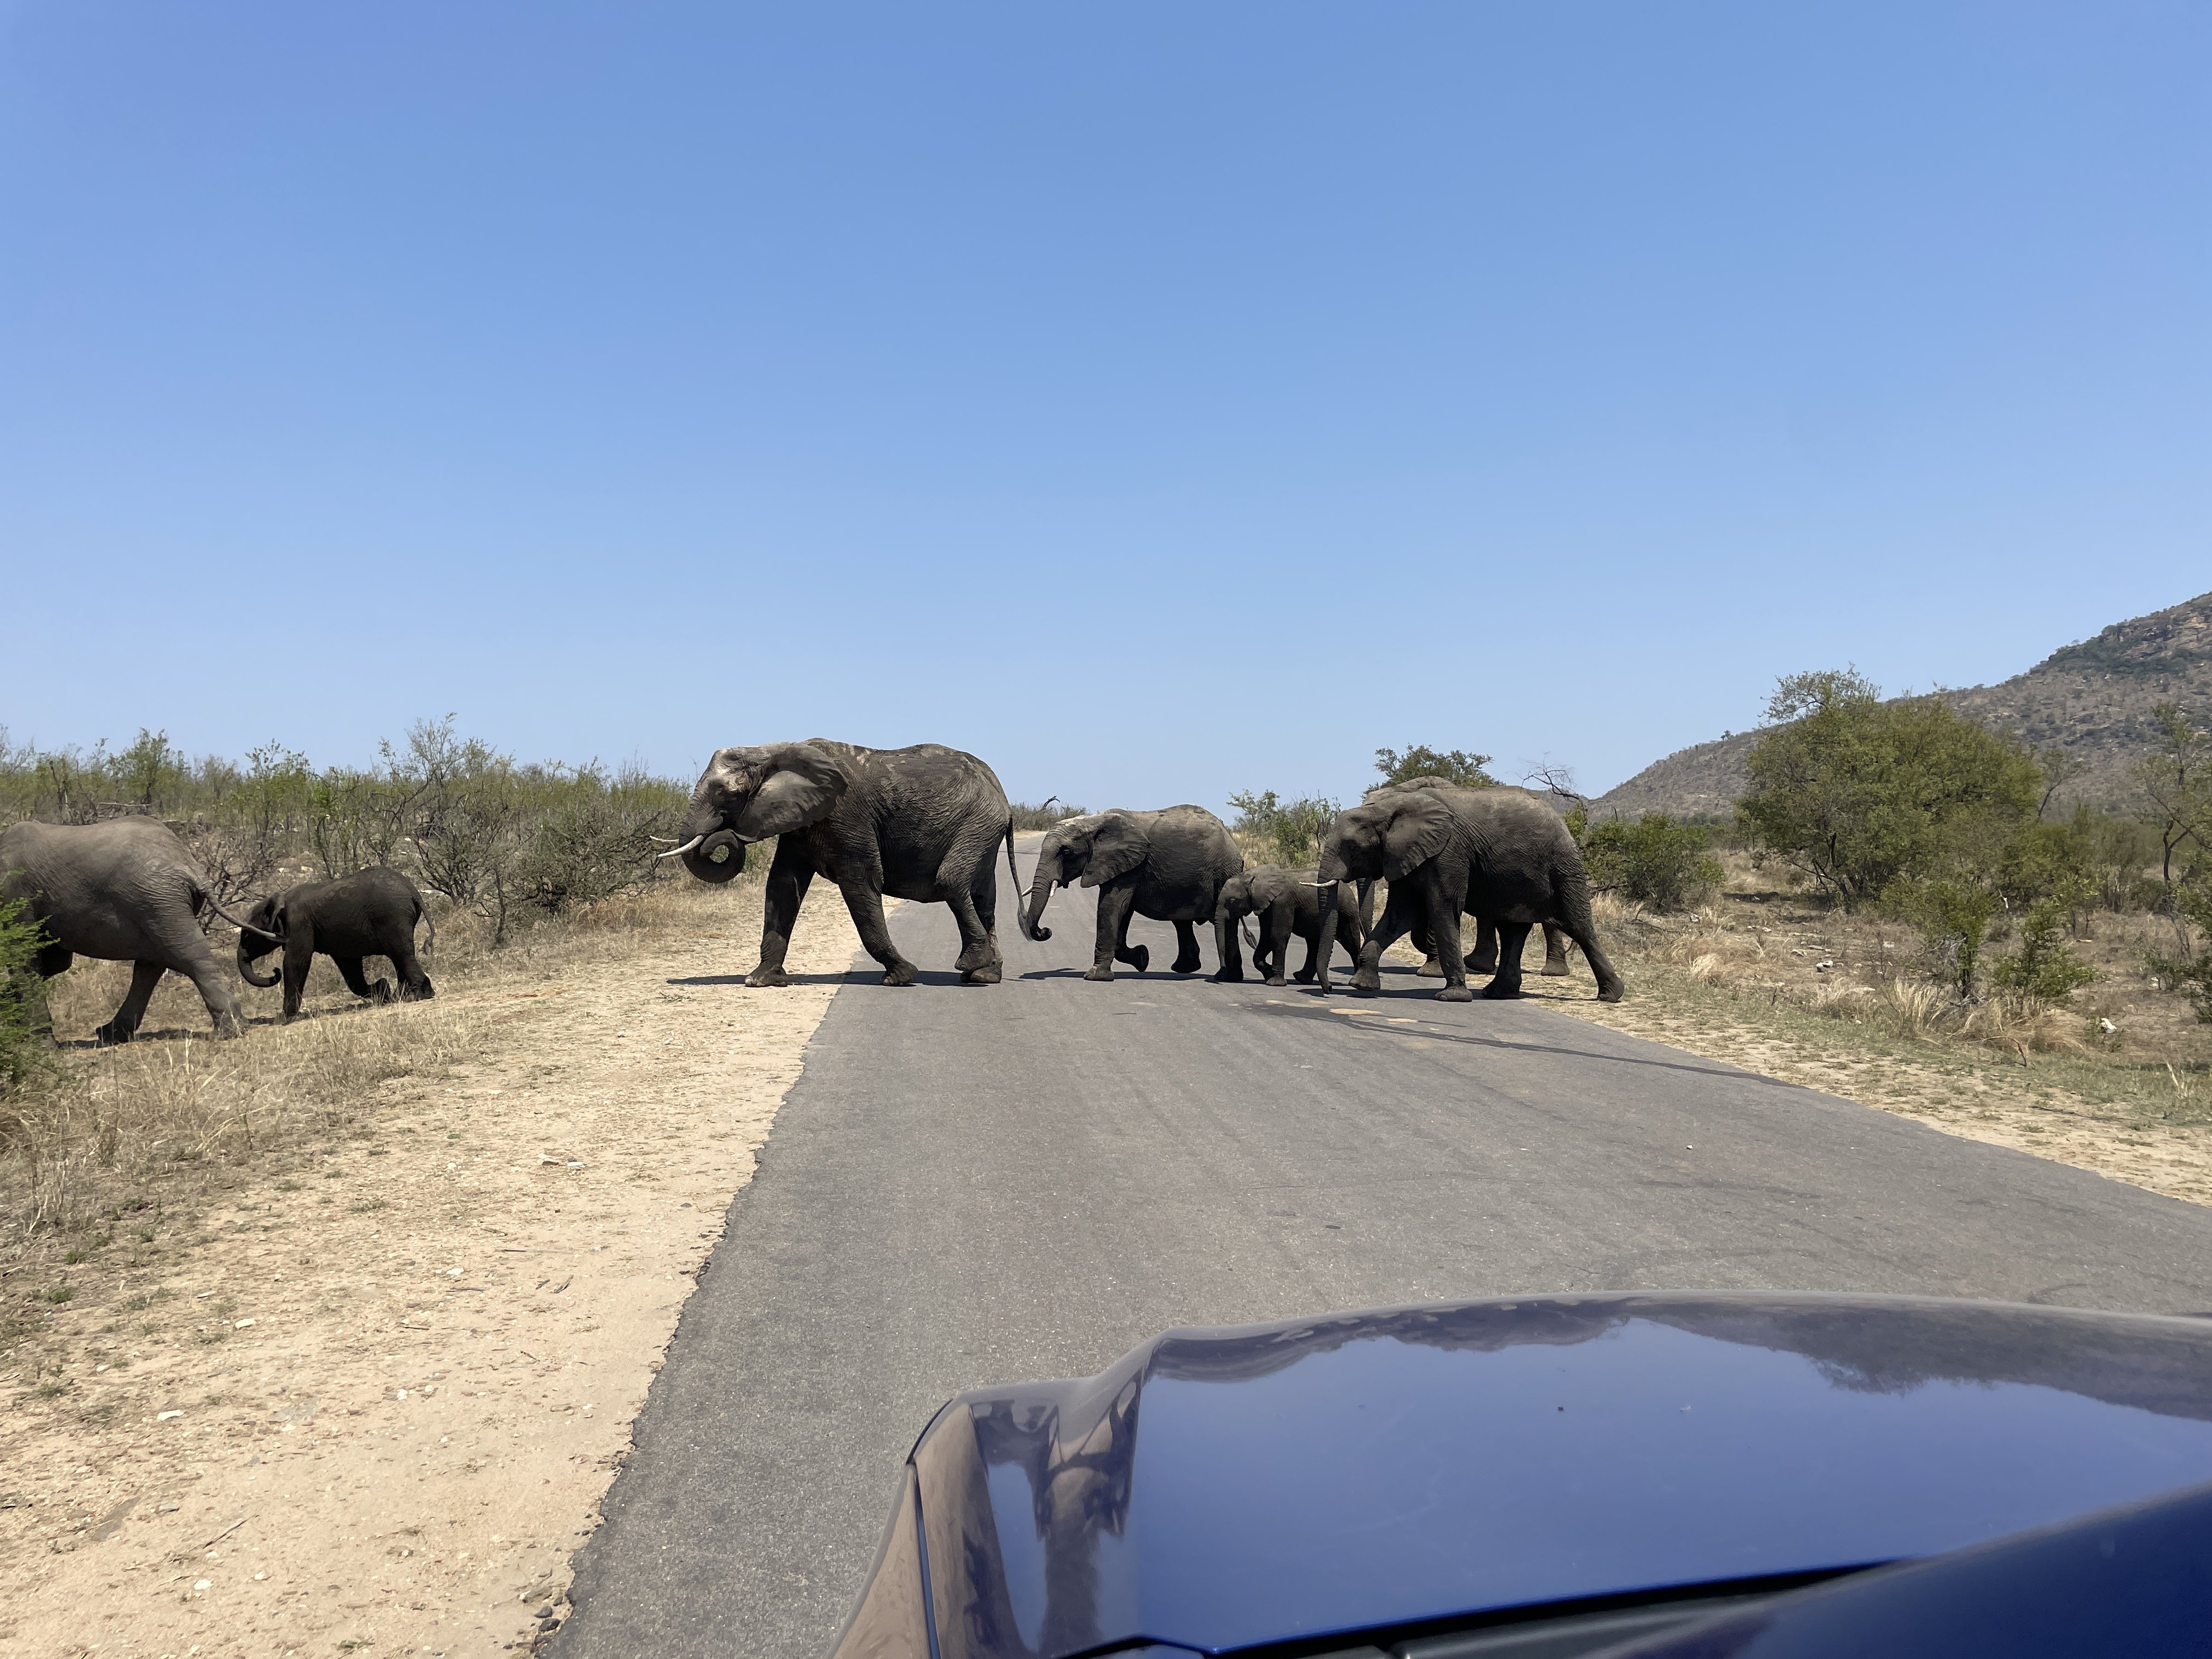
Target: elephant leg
[
  {"x": 144, "y": 976},
  {"x": 299, "y": 958},
  {"x": 1117, "y": 902},
  {"x": 1443, "y": 912},
  {"x": 986, "y": 893},
  {"x": 1400, "y": 915},
  {"x": 978, "y": 961},
  {"x": 414, "y": 984},
  {"x": 1229, "y": 945},
  {"x": 358, "y": 982},
  {"x": 1425, "y": 942},
  {"x": 868, "y": 908},
  {"x": 1555, "y": 951},
  {"x": 1482, "y": 959},
  {"x": 789, "y": 875},
  {"x": 1350, "y": 932},
  {"x": 1512, "y": 940},
  {"x": 1186, "y": 961},
  {"x": 1305, "y": 975}
]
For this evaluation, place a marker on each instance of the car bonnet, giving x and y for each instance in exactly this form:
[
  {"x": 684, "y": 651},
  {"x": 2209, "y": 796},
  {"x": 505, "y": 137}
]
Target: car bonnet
[{"x": 1222, "y": 1487}]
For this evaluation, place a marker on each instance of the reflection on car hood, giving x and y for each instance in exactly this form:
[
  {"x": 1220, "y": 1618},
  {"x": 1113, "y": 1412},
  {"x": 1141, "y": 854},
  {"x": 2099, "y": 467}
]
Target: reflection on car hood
[{"x": 1222, "y": 1487}]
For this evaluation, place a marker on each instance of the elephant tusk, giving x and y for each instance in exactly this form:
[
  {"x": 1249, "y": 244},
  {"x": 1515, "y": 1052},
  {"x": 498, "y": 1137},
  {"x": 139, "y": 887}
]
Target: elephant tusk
[
  {"x": 691, "y": 846},
  {"x": 1321, "y": 884},
  {"x": 666, "y": 840}
]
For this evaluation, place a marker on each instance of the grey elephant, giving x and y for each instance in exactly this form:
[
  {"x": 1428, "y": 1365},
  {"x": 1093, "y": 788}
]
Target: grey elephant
[
  {"x": 923, "y": 822},
  {"x": 1482, "y": 959},
  {"x": 1287, "y": 904},
  {"x": 1496, "y": 852},
  {"x": 123, "y": 891},
  {"x": 1168, "y": 865},
  {"x": 371, "y": 913}
]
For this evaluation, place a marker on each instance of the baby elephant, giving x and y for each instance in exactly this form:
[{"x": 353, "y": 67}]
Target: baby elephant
[
  {"x": 372, "y": 912},
  {"x": 1287, "y": 901}
]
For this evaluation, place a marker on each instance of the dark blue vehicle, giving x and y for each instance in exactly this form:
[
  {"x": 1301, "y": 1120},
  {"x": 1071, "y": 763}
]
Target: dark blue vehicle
[{"x": 1708, "y": 1475}]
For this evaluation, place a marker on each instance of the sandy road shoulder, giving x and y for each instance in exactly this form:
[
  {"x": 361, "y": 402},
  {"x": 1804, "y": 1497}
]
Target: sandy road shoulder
[{"x": 391, "y": 1430}]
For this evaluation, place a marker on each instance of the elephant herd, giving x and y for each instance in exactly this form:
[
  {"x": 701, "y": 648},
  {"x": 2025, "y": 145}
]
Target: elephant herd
[
  {"x": 924, "y": 823},
  {"x": 928, "y": 824}
]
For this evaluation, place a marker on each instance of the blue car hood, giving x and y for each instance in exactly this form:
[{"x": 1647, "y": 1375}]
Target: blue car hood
[{"x": 1225, "y": 1487}]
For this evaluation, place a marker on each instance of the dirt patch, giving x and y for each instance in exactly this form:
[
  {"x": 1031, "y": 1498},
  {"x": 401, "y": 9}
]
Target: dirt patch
[{"x": 368, "y": 1396}]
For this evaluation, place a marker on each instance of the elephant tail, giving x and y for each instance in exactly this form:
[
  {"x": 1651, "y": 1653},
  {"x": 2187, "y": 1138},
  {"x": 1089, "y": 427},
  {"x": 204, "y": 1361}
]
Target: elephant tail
[
  {"x": 1013, "y": 874},
  {"x": 430, "y": 922},
  {"x": 204, "y": 897}
]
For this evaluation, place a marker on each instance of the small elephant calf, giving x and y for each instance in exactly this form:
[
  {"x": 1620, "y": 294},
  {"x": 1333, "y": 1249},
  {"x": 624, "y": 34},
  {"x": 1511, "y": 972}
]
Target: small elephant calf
[
  {"x": 372, "y": 912},
  {"x": 1287, "y": 903}
]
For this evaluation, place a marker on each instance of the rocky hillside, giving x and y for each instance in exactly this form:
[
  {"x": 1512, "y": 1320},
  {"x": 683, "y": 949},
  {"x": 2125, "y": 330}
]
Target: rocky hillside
[{"x": 2093, "y": 699}]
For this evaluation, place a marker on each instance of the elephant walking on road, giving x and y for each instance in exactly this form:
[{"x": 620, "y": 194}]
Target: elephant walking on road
[
  {"x": 123, "y": 891},
  {"x": 1169, "y": 865},
  {"x": 1500, "y": 853},
  {"x": 1288, "y": 905},
  {"x": 1482, "y": 959},
  {"x": 371, "y": 913},
  {"x": 921, "y": 823}
]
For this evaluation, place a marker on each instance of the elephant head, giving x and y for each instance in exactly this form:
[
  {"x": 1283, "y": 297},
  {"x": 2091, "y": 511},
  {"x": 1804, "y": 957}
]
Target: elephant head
[
  {"x": 1391, "y": 834},
  {"x": 268, "y": 917},
  {"x": 746, "y": 795},
  {"x": 1236, "y": 899},
  {"x": 1093, "y": 850}
]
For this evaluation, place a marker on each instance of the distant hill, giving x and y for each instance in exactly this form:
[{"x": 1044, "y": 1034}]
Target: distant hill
[{"x": 2093, "y": 699}]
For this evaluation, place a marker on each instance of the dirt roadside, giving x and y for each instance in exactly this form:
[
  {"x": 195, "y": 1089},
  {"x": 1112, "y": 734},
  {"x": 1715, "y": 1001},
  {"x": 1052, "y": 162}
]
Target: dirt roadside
[{"x": 384, "y": 1426}]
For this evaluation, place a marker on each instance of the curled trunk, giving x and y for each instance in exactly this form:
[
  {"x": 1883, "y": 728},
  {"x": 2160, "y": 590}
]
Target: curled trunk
[
  {"x": 720, "y": 858},
  {"x": 1040, "y": 886},
  {"x": 246, "y": 964}
]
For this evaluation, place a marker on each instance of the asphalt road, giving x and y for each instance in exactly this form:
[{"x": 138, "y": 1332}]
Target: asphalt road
[{"x": 974, "y": 1186}]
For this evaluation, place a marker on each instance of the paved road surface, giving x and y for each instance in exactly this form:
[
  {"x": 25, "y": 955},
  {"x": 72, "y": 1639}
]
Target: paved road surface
[{"x": 972, "y": 1186}]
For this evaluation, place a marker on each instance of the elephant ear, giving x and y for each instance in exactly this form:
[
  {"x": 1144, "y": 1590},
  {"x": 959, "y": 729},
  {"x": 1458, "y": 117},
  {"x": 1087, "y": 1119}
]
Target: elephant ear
[
  {"x": 1419, "y": 826},
  {"x": 1119, "y": 846},
  {"x": 801, "y": 789}
]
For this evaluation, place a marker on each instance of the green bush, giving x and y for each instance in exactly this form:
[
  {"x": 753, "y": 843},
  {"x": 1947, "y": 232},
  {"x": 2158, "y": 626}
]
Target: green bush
[
  {"x": 1858, "y": 794},
  {"x": 2044, "y": 965},
  {"x": 1289, "y": 832},
  {"x": 2191, "y": 974},
  {"x": 25, "y": 1046},
  {"x": 1457, "y": 766},
  {"x": 1655, "y": 860},
  {"x": 1954, "y": 913}
]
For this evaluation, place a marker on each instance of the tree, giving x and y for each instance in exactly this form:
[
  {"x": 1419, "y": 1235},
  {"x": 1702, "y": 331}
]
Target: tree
[
  {"x": 1420, "y": 761},
  {"x": 1655, "y": 860},
  {"x": 1859, "y": 794},
  {"x": 2059, "y": 768},
  {"x": 2176, "y": 778},
  {"x": 1290, "y": 831}
]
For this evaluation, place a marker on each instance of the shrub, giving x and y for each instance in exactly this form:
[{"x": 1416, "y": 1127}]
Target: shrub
[
  {"x": 1954, "y": 914},
  {"x": 1044, "y": 815},
  {"x": 1289, "y": 832},
  {"x": 1655, "y": 860},
  {"x": 25, "y": 1045},
  {"x": 2045, "y": 966},
  {"x": 2189, "y": 972},
  {"x": 1859, "y": 794},
  {"x": 1456, "y": 766}
]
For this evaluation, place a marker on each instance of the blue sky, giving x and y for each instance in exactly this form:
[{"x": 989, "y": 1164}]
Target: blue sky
[{"x": 1158, "y": 400}]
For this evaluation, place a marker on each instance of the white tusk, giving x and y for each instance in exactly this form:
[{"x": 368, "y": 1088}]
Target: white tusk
[
  {"x": 689, "y": 846},
  {"x": 1321, "y": 884}
]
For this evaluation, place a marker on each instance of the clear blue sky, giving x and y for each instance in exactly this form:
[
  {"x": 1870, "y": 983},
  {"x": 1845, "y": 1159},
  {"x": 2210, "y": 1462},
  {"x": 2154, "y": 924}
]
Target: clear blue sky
[{"x": 1156, "y": 399}]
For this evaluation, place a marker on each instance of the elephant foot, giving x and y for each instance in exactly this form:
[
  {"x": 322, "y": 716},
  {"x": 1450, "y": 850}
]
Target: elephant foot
[
  {"x": 1225, "y": 976},
  {"x": 1552, "y": 970},
  {"x": 1139, "y": 957},
  {"x": 763, "y": 979},
  {"x": 422, "y": 993},
  {"x": 1366, "y": 979},
  {"x": 1278, "y": 984},
  {"x": 1431, "y": 968},
  {"x": 1499, "y": 990},
  {"x": 1481, "y": 964},
  {"x": 1454, "y": 994},
  {"x": 989, "y": 974},
  {"x": 1103, "y": 970},
  {"x": 112, "y": 1035},
  {"x": 380, "y": 991},
  {"x": 1612, "y": 993},
  {"x": 902, "y": 973},
  {"x": 1304, "y": 976}
]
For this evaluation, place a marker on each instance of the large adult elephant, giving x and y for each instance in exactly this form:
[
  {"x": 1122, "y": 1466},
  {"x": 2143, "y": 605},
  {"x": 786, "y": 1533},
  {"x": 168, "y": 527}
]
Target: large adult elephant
[
  {"x": 920, "y": 823},
  {"x": 1168, "y": 865},
  {"x": 1482, "y": 959},
  {"x": 123, "y": 891},
  {"x": 1497, "y": 853}
]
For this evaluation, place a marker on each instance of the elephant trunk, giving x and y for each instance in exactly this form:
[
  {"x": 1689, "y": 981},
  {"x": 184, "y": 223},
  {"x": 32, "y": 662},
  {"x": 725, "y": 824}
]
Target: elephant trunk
[
  {"x": 1325, "y": 940},
  {"x": 709, "y": 851},
  {"x": 1040, "y": 886},
  {"x": 249, "y": 951}
]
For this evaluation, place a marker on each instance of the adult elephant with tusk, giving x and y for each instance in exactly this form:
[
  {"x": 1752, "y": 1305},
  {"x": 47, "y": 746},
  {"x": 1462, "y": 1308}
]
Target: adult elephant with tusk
[
  {"x": 1499, "y": 853},
  {"x": 123, "y": 891},
  {"x": 924, "y": 823},
  {"x": 1169, "y": 865}
]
